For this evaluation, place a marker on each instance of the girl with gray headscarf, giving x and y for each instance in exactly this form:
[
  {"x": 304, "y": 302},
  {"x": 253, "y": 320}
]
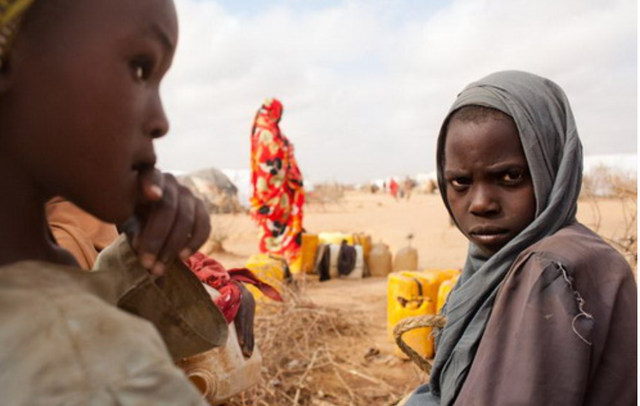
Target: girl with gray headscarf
[{"x": 545, "y": 311}]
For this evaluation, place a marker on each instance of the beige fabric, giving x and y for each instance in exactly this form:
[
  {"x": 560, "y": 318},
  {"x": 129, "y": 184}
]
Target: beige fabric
[{"x": 63, "y": 342}]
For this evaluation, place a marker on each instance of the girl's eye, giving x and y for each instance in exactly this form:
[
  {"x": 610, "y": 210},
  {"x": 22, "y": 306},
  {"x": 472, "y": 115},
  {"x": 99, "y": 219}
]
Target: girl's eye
[
  {"x": 512, "y": 177},
  {"x": 460, "y": 183},
  {"x": 141, "y": 69}
]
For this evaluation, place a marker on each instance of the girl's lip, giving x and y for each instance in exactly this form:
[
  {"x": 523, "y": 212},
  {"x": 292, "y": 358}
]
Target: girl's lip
[
  {"x": 489, "y": 239},
  {"x": 489, "y": 236},
  {"x": 481, "y": 231}
]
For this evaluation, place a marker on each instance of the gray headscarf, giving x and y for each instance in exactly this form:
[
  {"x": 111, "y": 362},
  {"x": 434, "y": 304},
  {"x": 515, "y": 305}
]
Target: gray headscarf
[{"x": 553, "y": 151}]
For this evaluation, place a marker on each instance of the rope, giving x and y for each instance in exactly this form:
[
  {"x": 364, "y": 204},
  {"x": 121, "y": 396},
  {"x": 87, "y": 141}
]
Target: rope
[{"x": 412, "y": 323}]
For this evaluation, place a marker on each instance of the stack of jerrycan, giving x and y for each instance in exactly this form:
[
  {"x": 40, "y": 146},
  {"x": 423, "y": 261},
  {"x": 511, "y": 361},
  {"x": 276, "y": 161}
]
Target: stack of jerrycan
[
  {"x": 379, "y": 262},
  {"x": 269, "y": 269},
  {"x": 414, "y": 293},
  {"x": 223, "y": 372},
  {"x": 362, "y": 244}
]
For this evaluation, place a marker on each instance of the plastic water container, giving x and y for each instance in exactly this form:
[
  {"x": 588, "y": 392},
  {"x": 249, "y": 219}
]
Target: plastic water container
[
  {"x": 334, "y": 251},
  {"x": 363, "y": 240},
  {"x": 443, "y": 274},
  {"x": 308, "y": 252},
  {"x": 358, "y": 269},
  {"x": 335, "y": 238},
  {"x": 380, "y": 260},
  {"x": 223, "y": 372},
  {"x": 444, "y": 290},
  {"x": 270, "y": 270},
  {"x": 406, "y": 259},
  {"x": 406, "y": 298},
  {"x": 429, "y": 282}
]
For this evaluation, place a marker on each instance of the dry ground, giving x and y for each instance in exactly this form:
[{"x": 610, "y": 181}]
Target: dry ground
[{"x": 439, "y": 245}]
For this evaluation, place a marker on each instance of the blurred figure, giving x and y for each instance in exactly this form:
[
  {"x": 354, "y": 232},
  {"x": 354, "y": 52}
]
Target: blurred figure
[
  {"x": 408, "y": 186},
  {"x": 393, "y": 188},
  {"x": 278, "y": 193}
]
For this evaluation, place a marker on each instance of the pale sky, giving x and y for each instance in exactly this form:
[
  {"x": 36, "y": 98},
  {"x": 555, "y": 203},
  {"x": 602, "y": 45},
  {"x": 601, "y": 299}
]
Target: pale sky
[{"x": 366, "y": 83}]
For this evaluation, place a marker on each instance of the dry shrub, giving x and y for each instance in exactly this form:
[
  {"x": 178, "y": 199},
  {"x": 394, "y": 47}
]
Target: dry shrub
[
  {"x": 300, "y": 364},
  {"x": 626, "y": 190},
  {"x": 603, "y": 182},
  {"x": 326, "y": 193}
]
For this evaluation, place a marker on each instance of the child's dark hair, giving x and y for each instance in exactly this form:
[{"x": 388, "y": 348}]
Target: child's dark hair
[{"x": 476, "y": 114}]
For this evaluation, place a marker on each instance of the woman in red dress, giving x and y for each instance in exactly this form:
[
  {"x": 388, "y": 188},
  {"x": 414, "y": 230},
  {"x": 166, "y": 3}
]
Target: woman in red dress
[{"x": 278, "y": 193}]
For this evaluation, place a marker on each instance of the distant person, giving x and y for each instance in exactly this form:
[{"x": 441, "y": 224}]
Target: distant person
[
  {"x": 394, "y": 188},
  {"x": 408, "y": 186},
  {"x": 278, "y": 192},
  {"x": 545, "y": 311}
]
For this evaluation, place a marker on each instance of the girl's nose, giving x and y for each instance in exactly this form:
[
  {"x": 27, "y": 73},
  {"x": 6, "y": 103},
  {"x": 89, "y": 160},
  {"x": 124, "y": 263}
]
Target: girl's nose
[
  {"x": 157, "y": 123},
  {"x": 483, "y": 201}
]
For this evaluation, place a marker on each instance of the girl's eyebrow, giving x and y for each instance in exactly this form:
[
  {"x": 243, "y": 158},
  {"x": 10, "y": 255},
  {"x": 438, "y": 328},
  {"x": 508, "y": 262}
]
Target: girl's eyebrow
[
  {"x": 454, "y": 173},
  {"x": 505, "y": 166},
  {"x": 159, "y": 34}
]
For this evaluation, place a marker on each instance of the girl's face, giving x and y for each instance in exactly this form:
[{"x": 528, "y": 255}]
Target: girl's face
[
  {"x": 489, "y": 188},
  {"x": 80, "y": 99}
]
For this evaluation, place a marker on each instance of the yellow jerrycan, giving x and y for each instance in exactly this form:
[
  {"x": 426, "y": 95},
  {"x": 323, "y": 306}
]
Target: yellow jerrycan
[
  {"x": 270, "y": 270},
  {"x": 443, "y": 274},
  {"x": 335, "y": 238},
  {"x": 363, "y": 240},
  {"x": 444, "y": 290},
  {"x": 222, "y": 372},
  {"x": 308, "y": 253},
  {"x": 406, "y": 298},
  {"x": 379, "y": 260},
  {"x": 406, "y": 258},
  {"x": 429, "y": 283}
]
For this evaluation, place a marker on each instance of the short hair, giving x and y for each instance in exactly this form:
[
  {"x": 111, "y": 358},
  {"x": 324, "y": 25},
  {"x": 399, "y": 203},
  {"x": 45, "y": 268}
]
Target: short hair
[{"x": 476, "y": 114}]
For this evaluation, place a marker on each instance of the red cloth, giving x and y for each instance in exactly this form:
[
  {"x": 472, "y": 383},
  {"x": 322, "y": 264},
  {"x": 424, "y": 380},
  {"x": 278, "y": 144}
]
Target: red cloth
[
  {"x": 393, "y": 187},
  {"x": 278, "y": 192},
  {"x": 211, "y": 272}
]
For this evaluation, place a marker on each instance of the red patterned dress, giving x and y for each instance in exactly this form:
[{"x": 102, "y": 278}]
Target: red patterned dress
[{"x": 278, "y": 193}]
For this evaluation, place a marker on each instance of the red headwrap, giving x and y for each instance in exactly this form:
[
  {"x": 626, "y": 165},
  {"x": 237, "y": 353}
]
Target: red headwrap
[{"x": 272, "y": 108}]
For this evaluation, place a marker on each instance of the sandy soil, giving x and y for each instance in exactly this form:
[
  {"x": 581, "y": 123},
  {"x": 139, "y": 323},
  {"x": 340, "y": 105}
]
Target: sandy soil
[{"x": 439, "y": 245}]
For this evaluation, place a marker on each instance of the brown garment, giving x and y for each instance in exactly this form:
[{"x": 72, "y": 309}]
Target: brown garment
[
  {"x": 77, "y": 231},
  {"x": 63, "y": 341},
  {"x": 531, "y": 355}
]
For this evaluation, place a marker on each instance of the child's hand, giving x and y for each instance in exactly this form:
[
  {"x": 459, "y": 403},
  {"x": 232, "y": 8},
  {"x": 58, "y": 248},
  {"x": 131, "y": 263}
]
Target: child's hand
[
  {"x": 169, "y": 222},
  {"x": 244, "y": 321}
]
